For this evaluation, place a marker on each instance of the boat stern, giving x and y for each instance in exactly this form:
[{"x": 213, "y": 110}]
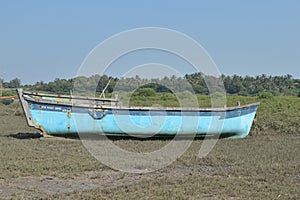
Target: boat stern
[{"x": 25, "y": 107}]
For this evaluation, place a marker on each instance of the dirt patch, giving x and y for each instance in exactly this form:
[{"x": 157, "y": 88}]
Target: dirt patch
[
  {"x": 50, "y": 185},
  {"x": 45, "y": 185}
]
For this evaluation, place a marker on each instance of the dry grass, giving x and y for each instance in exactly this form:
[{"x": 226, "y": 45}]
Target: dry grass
[{"x": 262, "y": 166}]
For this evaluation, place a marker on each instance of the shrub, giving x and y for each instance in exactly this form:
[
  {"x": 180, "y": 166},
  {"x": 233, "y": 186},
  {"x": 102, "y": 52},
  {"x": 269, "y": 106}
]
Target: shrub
[
  {"x": 168, "y": 96},
  {"x": 265, "y": 95},
  {"x": 145, "y": 92}
]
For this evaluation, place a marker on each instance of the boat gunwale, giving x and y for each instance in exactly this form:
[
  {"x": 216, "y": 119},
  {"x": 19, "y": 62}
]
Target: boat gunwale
[
  {"x": 70, "y": 97},
  {"x": 141, "y": 108}
]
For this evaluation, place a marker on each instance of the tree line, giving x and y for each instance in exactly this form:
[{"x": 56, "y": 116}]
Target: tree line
[{"x": 196, "y": 83}]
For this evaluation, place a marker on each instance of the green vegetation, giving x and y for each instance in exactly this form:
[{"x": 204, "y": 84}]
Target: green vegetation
[
  {"x": 9, "y": 93},
  {"x": 144, "y": 92},
  {"x": 14, "y": 83},
  {"x": 280, "y": 115},
  {"x": 196, "y": 83},
  {"x": 265, "y": 95}
]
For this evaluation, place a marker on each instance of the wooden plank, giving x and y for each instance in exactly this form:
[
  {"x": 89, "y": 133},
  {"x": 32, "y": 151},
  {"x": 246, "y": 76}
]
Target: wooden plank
[
  {"x": 7, "y": 97},
  {"x": 70, "y": 97},
  {"x": 25, "y": 107}
]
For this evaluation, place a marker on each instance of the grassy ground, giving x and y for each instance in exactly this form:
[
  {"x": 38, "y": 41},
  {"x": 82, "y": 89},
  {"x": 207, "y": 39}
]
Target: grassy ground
[{"x": 264, "y": 165}]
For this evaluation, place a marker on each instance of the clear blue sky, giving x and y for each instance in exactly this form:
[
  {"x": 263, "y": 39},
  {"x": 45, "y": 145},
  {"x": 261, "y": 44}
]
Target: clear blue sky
[{"x": 44, "y": 40}]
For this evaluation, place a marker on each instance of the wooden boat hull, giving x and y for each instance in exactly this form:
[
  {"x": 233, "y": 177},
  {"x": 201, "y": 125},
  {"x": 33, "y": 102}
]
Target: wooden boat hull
[
  {"x": 7, "y": 99},
  {"x": 63, "y": 118}
]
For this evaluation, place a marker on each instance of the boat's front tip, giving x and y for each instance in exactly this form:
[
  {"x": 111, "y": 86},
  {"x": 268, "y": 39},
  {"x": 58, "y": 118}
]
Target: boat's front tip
[{"x": 247, "y": 123}]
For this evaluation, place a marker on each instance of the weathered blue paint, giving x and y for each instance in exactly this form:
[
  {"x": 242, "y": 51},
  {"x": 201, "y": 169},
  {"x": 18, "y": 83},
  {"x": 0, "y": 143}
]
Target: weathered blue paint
[{"x": 63, "y": 119}]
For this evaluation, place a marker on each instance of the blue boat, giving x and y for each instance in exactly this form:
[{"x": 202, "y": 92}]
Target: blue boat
[{"x": 67, "y": 115}]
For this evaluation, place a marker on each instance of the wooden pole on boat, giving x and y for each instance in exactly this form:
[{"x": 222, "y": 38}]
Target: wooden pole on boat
[
  {"x": 102, "y": 93},
  {"x": 1, "y": 89}
]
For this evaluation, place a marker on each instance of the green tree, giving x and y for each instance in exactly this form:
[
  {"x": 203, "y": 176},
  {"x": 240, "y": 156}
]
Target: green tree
[{"x": 15, "y": 83}]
